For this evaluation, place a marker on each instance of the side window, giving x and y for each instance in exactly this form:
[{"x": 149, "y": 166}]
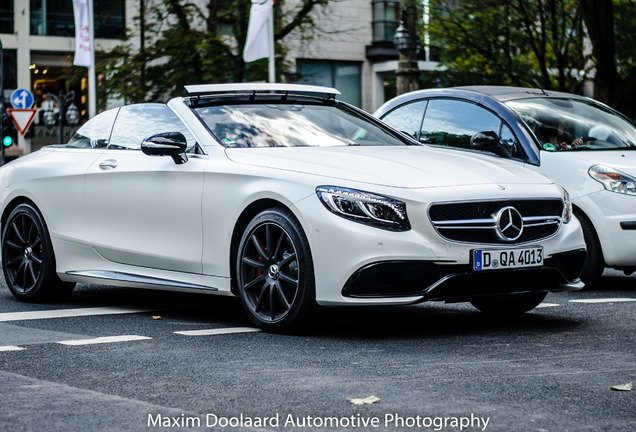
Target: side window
[
  {"x": 452, "y": 122},
  {"x": 509, "y": 138},
  {"x": 95, "y": 132},
  {"x": 135, "y": 123},
  {"x": 407, "y": 118}
]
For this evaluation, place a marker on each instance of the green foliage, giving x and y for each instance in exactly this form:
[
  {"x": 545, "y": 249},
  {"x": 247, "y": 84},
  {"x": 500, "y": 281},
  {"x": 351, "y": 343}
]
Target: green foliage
[
  {"x": 186, "y": 43},
  {"x": 510, "y": 42},
  {"x": 625, "y": 33}
]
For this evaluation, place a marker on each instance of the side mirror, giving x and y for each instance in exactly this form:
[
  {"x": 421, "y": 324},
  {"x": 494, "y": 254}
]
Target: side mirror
[
  {"x": 489, "y": 141},
  {"x": 172, "y": 144}
]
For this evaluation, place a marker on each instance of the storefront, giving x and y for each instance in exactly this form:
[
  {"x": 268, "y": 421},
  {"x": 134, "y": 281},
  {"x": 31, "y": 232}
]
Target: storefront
[{"x": 60, "y": 93}]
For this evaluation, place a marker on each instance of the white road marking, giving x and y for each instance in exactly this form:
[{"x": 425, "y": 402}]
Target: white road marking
[
  {"x": 77, "y": 312},
  {"x": 604, "y": 300},
  {"x": 10, "y": 348},
  {"x": 543, "y": 305},
  {"x": 105, "y": 339},
  {"x": 218, "y": 331}
]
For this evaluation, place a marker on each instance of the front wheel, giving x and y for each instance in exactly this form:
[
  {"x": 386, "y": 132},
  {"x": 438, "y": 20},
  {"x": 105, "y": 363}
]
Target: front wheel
[
  {"x": 594, "y": 263},
  {"x": 28, "y": 261},
  {"x": 512, "y": 304},
  {"x": 275, "y": 274}
]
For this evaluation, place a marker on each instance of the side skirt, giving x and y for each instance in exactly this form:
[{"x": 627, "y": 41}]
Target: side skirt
[{"x": 120, "y": 278}]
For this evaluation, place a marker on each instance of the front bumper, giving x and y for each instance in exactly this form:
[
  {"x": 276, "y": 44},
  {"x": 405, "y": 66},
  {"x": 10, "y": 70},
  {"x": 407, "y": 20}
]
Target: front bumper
[
  {"x": 431, "y": 281},
  {"x": 355, "y": 264}
]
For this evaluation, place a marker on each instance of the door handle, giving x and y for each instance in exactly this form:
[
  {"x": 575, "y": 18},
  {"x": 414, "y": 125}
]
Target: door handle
[{"x": 108, "y": 164}]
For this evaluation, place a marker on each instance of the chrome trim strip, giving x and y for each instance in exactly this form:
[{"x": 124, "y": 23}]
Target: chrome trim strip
[
  {"x": 470, "y": 222},
  {"x": 132, "y": 278},
  {"x": 465, "y": 221},
  {"x": 542, "y": 223},
  {"x": 541, "y": 218},
  {"x": 460, "y": 227}
]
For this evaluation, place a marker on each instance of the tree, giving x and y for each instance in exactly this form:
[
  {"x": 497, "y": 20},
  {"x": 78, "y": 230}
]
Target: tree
[
  {"x": 185, "y": 42},
  {"x": 513, "y": 42},
  {"x": 611, "y": 27}
]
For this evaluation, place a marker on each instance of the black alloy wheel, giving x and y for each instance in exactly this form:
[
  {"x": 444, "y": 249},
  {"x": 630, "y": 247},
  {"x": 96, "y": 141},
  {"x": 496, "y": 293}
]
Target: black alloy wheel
[
  {"x": 594, "y": 263},
  {"x": 28, "y": 259},
  {"x": 275, "y": 272}
]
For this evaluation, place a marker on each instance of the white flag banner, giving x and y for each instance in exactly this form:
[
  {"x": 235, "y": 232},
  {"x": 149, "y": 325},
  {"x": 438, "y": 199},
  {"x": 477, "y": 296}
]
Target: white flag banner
[
  {"x": 82, "y": 34},
  {"x": 259, "y": 42}
]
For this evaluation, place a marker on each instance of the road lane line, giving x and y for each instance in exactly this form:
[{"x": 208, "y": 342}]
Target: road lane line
[
  {"x": 544, "y": 305},
  {"x": 105, "y": 339},
  {"x": 604, "y": 300},
  {"x": 218, "y": 331},
  {"x": 78, "y": 312},
  {"x": 10, "y": 348}
]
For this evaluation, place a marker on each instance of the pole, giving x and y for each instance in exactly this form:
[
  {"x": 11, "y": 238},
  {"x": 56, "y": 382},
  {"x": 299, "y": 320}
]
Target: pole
[
  {"x": 2, "y": 159},
  {"x": 407, "y": 72},
  {"x": 272, "y": 56},
  {"x": 61, "y": 99},
  {"x": 92, "y": 81}
]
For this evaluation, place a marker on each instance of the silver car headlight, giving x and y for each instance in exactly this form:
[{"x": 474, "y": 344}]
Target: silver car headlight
[
  {"x": 367, "y": 208},
  {"x": 567, "y": 207},
  {"x": 613, "y": 180}
]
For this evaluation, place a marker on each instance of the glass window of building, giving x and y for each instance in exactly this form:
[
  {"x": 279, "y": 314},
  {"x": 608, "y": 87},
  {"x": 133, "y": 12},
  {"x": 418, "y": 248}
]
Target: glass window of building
[
  {"x": 344, "y": 76},
  {"x": 10, "y": 70},
  {"x": 55, "y": 18},
  {"x": 6, "y": 16},
  {"x": 386, "y": 17}
]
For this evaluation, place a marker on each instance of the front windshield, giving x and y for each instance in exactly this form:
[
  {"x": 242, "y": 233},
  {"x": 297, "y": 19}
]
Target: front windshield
[
  {"x": 279, "y": 124},
  {"x": 567, "y": 124}
]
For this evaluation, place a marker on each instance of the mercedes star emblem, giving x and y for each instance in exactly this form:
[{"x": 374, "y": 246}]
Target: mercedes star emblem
[{"x": 508, "y": 224}]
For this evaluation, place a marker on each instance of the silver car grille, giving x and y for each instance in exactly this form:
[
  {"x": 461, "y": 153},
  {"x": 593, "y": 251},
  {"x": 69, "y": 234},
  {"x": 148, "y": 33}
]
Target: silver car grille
[{"x": 497, "y": 222}]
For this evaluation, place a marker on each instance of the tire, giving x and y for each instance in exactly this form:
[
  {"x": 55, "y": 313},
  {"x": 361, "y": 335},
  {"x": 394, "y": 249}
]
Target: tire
[
  {"x": 28, "y": 261},
  {"x": 512, "y": 304},
  {"x": 594, "y": 263},
  {"x": 275, "y": 274}
]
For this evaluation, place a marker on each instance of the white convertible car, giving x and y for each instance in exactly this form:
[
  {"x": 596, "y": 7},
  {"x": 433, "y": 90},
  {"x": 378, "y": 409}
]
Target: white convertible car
[{"x": 287, "y": 198}]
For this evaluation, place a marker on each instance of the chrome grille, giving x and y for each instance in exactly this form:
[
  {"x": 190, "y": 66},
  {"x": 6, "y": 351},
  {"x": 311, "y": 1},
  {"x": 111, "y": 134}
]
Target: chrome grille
[{"x": 478, "y": 221}]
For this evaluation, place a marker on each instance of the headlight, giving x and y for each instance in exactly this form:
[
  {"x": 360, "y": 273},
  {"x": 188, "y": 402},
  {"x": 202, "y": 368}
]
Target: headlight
[
  {"x": 364, "y": 207},
  {"x": 613, "y": 180},
  {"x": 567, "y": 207}
]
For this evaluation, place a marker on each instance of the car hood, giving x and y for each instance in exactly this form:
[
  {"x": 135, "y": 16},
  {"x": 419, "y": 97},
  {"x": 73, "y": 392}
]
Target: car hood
[
  {"x": 622, "y": 160},
  {"x": 412, "y": 167}
]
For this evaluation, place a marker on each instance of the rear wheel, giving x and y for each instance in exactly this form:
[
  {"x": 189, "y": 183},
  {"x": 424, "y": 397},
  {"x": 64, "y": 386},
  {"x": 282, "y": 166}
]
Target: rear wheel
[
  {"x": 594, "y": 263},
  {"x": 512, "y": 304},
  {"x": 28, "y": 261},
  {"x": 275, "y": 274}
]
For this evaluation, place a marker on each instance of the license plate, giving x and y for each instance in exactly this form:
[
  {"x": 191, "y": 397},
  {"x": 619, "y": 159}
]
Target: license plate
[{"x": 500, "y": 259}]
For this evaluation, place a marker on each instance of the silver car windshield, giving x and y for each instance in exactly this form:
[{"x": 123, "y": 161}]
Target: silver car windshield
[
  {"x": 293, "y": 125},
  {"x": 573, "y": 125}
]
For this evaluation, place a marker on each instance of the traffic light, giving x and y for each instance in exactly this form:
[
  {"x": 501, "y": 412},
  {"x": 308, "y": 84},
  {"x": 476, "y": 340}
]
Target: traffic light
[{"x": 9, "y": 132}]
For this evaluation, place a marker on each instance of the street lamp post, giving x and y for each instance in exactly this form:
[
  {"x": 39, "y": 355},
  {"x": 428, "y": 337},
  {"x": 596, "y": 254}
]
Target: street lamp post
[
  {"x": 71, "y": 113},
  {"x": 406, "y": 43}
]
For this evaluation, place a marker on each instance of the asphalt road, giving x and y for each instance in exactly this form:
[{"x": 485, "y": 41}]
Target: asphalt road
[{"x": 135, "y": 360}]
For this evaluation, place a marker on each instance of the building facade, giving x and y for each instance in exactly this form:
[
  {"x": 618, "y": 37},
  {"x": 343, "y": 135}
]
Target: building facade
[{"x": 351, "y": 50}]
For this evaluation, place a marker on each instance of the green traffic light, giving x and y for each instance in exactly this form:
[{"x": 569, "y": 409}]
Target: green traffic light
[{"x": 7, "y": 141}]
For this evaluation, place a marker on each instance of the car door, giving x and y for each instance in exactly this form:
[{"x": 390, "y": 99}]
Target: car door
[
  {"x": 60, "y": 180},
  {"x": 146, "y": 210}
]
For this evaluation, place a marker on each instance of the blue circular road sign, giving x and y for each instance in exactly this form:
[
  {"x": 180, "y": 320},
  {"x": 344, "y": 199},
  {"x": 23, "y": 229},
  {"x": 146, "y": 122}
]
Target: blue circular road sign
[{"x": 22, "y": 99}]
